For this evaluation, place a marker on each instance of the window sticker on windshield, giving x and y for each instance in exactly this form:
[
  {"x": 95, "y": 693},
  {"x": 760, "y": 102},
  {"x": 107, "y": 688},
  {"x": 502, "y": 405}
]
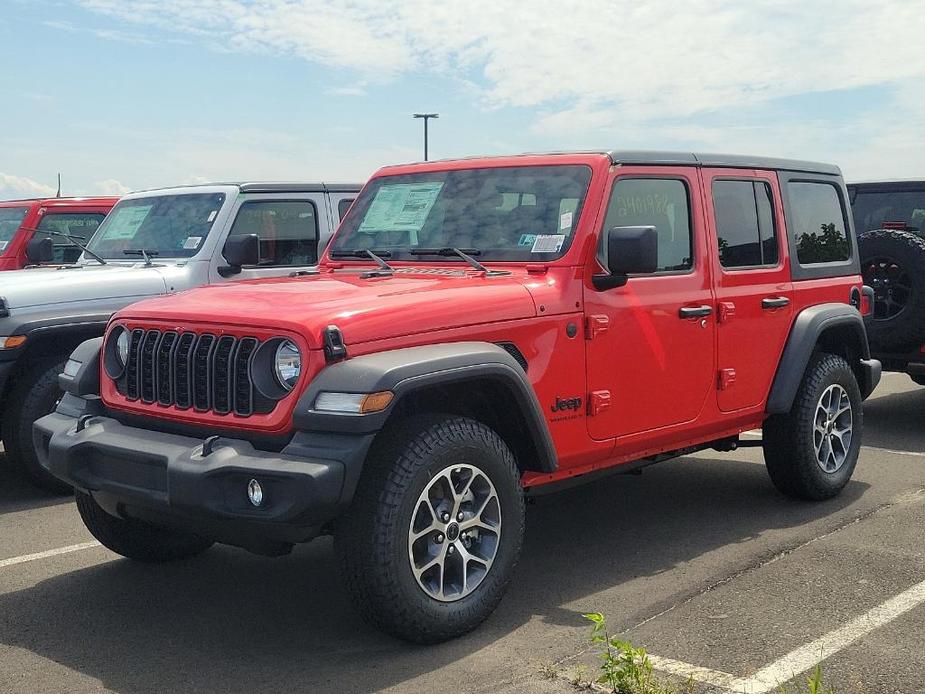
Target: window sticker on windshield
[
  {"x": 192, "y": 243},
  {"x": 401, "y": 207},
  {"x": 526, "y": 240},
  {"x": 124, "y": 222},
  {"x": 565, "y": 221},
  {"x": 211, "y": 217},
  {"x": 548, "y": 243}
]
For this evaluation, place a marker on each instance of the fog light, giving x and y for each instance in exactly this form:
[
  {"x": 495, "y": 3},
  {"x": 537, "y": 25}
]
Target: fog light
[{"x": 254, "y": 492}]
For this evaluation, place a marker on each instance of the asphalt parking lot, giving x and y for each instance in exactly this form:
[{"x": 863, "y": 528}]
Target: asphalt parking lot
[{"x": 699, "y": 560}]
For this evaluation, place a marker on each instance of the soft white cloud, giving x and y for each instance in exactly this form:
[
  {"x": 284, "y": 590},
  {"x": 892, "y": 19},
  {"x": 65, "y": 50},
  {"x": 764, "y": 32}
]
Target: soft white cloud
[
  {"x": 13, "y": 187},
  {"x": 656, "y": 58},
  {"x": 110, "y": 187}
]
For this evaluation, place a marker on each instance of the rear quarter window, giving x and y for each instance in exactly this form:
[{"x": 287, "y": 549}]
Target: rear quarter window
[{"x": 817, "y": 223}]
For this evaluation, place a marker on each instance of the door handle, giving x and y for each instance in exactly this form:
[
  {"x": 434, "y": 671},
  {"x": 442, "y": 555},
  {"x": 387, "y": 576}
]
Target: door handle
[
  {"x": 695, "y": 311},
  {"x": 775, "y": 302}
]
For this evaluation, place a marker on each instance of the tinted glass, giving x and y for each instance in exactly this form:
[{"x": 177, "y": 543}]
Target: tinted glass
[
  {"x": 517, "y": 213},
  {"x": 10, "y": 220},
  {"x": 817, "y": 223},
  {"x": 744, "y": 223},
  {"x": 662, "y": 203},
  {"x": 874, "y": 210},
  {"x": 287, "y": 229},
  {"x": 81, "y": 226},
  {"x": 173, "y": 226},
  {"x": 343, "y": 206}
]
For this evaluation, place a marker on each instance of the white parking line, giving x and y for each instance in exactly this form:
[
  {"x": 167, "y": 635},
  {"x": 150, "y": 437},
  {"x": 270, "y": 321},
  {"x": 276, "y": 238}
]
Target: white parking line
[
  {"x": 48, "y": 553},
  {"x": 803, "y": 658}
]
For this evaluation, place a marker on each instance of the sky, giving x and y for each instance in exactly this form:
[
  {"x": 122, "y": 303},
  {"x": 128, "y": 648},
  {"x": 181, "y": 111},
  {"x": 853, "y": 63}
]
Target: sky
[{"x": 121, "y": 95}]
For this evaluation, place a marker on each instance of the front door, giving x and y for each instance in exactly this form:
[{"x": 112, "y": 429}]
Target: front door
[
  {"x": 650, "y": 343},
  {"x": 753, "y": 288}
]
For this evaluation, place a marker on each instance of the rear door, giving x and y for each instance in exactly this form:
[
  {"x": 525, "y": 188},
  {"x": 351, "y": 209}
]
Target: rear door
[
  {"x": 289, "y": 226},
  {"x": 650, "y": 343},
  {"x": 754, "y": 294}
]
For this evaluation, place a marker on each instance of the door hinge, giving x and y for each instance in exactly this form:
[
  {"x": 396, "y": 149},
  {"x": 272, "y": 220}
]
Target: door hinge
[
  {"x": 727, "y": 311},
  {"x": 595, "y": 325},
  {"x": 726, "y": 378},
  {"x": 598, "y": 402}
]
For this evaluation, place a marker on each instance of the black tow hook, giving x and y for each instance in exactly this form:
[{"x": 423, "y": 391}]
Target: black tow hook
[
  {"x": 208, "y": 446},
  {"x": 82, "y": 421}
]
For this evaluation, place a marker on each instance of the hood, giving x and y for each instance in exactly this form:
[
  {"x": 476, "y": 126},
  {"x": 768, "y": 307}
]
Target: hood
[
  {"x": 53, "y": 285},
  {"x": 363, "y": 309}
]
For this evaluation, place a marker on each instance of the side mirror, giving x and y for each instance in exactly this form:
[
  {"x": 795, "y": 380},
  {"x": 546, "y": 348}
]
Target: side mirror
[
  {"x": 40, "y": 251},
  {"x": 238, "y": 252},
  {"x": 628, "y": 250}
]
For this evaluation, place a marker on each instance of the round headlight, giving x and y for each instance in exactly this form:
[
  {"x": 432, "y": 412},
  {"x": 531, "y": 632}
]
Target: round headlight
[
  {"x": 288, "y": 364},
  {"x": 122, "y": 343}
]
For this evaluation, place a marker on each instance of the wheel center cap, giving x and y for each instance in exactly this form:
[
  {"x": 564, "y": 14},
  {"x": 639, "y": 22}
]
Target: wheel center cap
[{"x": 452, "y": 532}]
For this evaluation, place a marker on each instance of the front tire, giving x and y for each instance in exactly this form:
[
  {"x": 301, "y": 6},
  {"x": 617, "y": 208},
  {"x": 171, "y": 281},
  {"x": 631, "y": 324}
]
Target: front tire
[
  {"x": 811, "y": 451},
  {"x": 35, "y": 394},
  {"x": 435, "y": 529},
  {"x": 135, "y": 539}
]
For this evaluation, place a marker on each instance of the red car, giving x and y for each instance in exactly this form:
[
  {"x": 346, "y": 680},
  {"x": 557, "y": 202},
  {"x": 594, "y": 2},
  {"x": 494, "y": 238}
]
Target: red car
[
  {"x": 478, "y": 331},
  {"x": 21, "y": 219}
]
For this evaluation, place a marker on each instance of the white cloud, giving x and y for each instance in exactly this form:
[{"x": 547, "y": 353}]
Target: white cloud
[
  {"x": 110, "y": 187},
  {"x": 13, "y": 187}
]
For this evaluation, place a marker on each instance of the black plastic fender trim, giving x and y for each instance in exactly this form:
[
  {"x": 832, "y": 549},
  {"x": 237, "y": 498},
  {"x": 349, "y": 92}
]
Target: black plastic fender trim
[{"x": 809, "y": 325}]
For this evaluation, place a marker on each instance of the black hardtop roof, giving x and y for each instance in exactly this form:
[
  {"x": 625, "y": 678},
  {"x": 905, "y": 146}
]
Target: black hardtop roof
[
  {"x": 668, "y": 158},
  {"x": 736, "y": 161},
  {"x": 271, "y": 187},
  {"x": 909, "y": 185}
]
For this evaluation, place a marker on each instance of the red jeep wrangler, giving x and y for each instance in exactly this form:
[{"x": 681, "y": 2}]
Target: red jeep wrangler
[
  {"x": 477, "y": 329},
  {"x": 23, "y": 220}
]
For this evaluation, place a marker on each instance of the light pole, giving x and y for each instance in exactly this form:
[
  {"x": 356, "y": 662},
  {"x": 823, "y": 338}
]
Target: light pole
[{"x": 426, "y": 117}]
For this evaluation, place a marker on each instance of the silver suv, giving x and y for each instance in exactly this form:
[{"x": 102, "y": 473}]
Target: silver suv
[{"x": 152, "y": 243}]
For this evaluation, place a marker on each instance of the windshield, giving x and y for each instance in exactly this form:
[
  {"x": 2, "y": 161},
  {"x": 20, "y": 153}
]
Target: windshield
[
  {"x": 169, "y": 226},
  {"x": 874, "y": 209},
  {"x": 517, "y": 213},
  {"x": 10, "y": 220}
]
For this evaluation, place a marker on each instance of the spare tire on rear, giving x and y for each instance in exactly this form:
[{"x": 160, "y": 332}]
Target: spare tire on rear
[{"x": 893, "y": 263}]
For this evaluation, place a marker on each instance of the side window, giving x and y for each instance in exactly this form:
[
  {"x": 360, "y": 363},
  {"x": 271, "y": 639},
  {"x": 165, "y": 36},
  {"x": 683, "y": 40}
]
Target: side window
[
  {"x": 744, "y": 219},
  {"x": 817, "y": 223},
  {"x": 343, "y": 206},
  {"x": 659, "y": 202},
  {"x": 81, "y": 226},
  {"x": 288, "y": 230}
]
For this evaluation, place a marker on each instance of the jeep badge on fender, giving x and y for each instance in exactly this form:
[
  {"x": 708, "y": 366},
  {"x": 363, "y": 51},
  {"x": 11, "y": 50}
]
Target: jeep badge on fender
[{"x": 716, "y": 295}]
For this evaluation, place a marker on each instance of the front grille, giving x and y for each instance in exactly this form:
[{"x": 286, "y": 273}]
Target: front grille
[{"x": 184, "y": 370}]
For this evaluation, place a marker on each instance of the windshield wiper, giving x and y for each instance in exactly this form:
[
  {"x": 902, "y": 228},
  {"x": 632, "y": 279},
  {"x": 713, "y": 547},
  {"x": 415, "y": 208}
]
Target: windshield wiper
[
  {"x": 73, "y": 239},
  {"x": 367, "y": 253},
  {"x": 464, "y": 254},
  {"x": 144, "y": 253}
]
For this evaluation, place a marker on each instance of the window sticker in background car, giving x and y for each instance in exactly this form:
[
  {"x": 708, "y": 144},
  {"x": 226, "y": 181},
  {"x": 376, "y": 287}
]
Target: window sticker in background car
[
  {"x": 401, "y": 207},
  {"x": 126, "y": 221}
]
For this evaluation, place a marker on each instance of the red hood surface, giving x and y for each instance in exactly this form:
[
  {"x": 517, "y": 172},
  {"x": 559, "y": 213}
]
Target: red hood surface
[{"x": 363, "y": 309}]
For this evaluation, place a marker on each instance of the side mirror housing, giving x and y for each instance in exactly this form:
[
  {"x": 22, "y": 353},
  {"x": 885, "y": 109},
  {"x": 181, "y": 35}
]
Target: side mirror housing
[
  {"x": 628, "y": 251},
  {"x": 40, "y": 251},
  {"x": 238, "y": 252}
]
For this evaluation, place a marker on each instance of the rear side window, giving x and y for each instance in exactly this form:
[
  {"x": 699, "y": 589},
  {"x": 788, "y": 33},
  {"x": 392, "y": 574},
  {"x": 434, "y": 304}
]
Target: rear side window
[
  {"x": 817, "y": 223},
  {"x": 288, "y": 230},
  {"x": 744, "y": 223},
  {"x": 343, "y": 206},
  {"x": 80, "y": 226},
  {"x": 659, "y": 202}
]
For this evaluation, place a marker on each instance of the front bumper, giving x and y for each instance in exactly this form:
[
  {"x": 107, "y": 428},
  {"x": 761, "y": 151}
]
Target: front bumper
[{"x": 166, "y": 479}]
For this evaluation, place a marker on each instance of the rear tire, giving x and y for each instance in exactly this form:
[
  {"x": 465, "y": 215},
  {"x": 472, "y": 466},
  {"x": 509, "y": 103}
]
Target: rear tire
[
  {"x": 135, "y": 539},
  {"x": 34, "y": 395},
  {"x": 414, "y": 569},
  {"x": 811, "y": 451}
]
